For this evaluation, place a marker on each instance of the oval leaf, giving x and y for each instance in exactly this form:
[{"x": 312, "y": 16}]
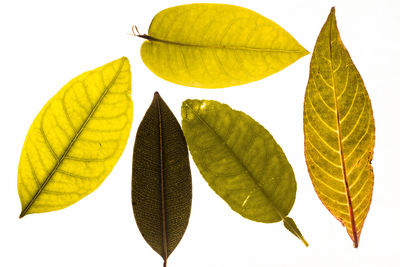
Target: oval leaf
[
  {"x": 339, "y": 131},
  {"x": 241, "y": 162},
  {"x": 161, "y": 179},
  {"x": 216, "y": 45},
  {"x": 76, "y": 139}
]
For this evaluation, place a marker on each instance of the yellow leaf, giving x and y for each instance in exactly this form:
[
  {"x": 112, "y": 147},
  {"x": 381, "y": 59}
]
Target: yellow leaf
[
  {"x": 216, "y": 45},
  {"x": 76, "y": 139},
  {"x": 339, "y": 131}
]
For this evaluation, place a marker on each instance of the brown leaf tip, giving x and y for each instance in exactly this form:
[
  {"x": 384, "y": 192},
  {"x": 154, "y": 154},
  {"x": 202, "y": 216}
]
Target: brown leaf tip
[{"x": 156, "y": 96}]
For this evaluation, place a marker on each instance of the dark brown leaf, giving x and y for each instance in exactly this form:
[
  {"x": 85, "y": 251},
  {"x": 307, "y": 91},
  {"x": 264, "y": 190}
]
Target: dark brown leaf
[{"x": 161, "y": 179}]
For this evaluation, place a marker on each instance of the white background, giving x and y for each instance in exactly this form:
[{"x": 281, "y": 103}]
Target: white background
[{"x": 44, "y": 44}]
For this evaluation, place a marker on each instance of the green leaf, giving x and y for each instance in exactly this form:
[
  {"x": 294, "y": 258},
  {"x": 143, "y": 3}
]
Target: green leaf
[
  {"x": 216, "y": 45},
  {"x": 241, "y": 162},
  {"x": 339, "y": 131},
  {"x": 76, "y": 139},
  {"x": 161, "y": 179}
]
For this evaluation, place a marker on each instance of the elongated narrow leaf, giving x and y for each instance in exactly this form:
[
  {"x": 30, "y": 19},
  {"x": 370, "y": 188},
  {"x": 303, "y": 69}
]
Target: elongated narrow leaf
[
  {"x": 241, "y": 162},
  {"x": 76, "y": 139},
  {"x": 339, "y": 131},
  {"x": 216, "y": 45},
  {"x": 161, "y": 179}
]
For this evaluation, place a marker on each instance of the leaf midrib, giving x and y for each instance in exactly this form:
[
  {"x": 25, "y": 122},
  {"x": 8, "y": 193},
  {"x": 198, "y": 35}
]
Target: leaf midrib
[
  {"x": 71, "y": 144},
  {"x": 240, "y": 162},
  {"x": 162, "y": 185},
  {"x": 345, "y": 180},
  {"x": 154, "y": 39}
]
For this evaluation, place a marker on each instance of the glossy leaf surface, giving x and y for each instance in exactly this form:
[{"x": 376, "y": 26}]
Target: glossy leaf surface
[
  {"x": 339, "y": 131},
  {"x": 241, "y": 162},
  {"x": 161, "y": 179},
  {"x": 76, "y": 139},
  {"x": 216, "y": 45}
]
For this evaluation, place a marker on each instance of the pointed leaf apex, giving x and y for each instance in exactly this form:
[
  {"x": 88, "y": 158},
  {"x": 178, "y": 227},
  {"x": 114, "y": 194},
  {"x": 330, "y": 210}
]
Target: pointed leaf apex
[
  {"x": 332, "y": 14},
  {"x": 156, "y": 96},
  {"x": 292, "y": 227},
  {"x": 122, "y": 60}
]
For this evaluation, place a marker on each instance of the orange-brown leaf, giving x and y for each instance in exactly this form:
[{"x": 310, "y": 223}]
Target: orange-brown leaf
[{"x": 339, "y": 131}]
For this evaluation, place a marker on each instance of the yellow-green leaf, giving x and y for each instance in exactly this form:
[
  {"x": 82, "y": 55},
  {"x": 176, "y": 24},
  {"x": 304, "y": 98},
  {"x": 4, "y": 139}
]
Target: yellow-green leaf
[
  {"x": 241, "y": 162},
  {"x": 339, "y": 131},
  {"x": 216, "y": 45},
  {"x": 76, "y": 139}
]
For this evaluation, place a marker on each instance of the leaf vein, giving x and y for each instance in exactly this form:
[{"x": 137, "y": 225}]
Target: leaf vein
[
  {"x": 322, "y": 139},
  {"x": 357, "y": 122},
  {"x": 351, "y": 106}
]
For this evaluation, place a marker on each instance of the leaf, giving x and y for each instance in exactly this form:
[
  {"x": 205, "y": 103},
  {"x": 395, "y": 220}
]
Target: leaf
[
  {"x": 339, "y": 131},
  {"x": 216, "y": 45},
  {"x": 240, "y": 161},
  {"x": 161, "y": 179},
  {"x": 76, "y": 139}
]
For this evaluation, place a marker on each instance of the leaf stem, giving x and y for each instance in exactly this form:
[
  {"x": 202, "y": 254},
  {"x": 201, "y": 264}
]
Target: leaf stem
[{"x": 147, "y": 37}]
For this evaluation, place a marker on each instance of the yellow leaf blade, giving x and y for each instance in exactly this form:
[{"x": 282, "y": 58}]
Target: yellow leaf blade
[
  {"x": 216, "y": 45},
  {"x": 339, "y": 131},
  {"x": 76, "y": 139}
]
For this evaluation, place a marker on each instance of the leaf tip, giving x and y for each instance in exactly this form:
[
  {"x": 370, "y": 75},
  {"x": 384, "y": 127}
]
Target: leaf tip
[
  {"x": 123, "y": 59},
  {"x": 157, "y": 98},
  {"x": 292, "y": 227},
  {"x": 304, "y": 241},
  {"x": 121, "y": 62},
  {"x": 332, "y": 14}
]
